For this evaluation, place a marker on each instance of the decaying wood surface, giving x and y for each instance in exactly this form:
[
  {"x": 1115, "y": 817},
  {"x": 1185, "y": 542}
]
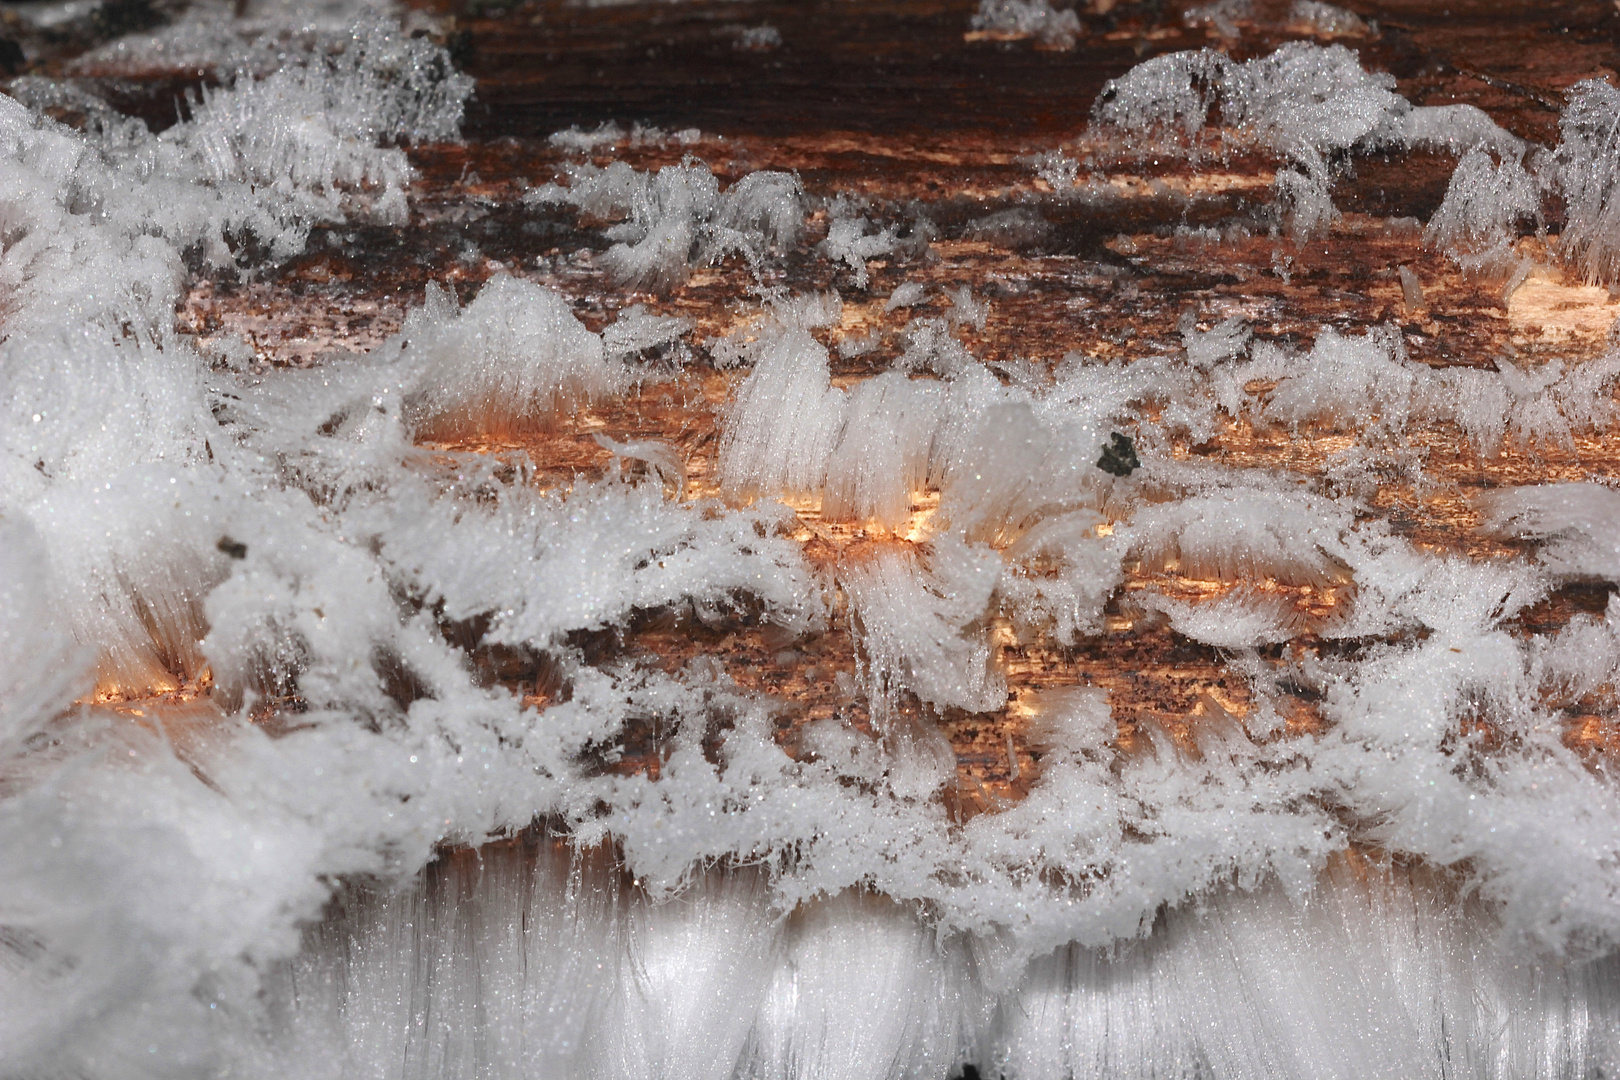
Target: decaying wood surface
[{"x": 894, "y": 100}]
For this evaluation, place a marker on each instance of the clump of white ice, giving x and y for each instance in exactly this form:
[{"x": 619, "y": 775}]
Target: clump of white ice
[
  {"x": 1326, "y": 20},
  {"x": 1055, "y": 28},
  {"x": 513, "y": 358},
  {"x": 1590, "y": 130},
  {"x": 850, "y": 240},
  {"x": 1305, "y": 103},
  {"x": 678, "y": 216}
]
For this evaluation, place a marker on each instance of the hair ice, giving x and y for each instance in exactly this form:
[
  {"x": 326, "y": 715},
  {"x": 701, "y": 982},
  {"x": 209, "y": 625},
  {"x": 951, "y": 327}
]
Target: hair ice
[
  {"x": 678, "y": 217},
  {"x": 1028, "y": 18},
  {"x": 512, "y": 359}
]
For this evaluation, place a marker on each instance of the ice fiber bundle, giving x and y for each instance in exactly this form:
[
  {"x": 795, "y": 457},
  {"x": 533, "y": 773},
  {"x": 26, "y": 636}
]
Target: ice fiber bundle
[
  {"x": 851, "y": 241},
  {"x": 915, "y": 625},
  {"x": 1347, "y": 381},
  {"x": 1243, "y": 536},
  {"x": 63, "y": 267},
  {"x": 678, "y": 217},
  {"x": 1170, "y": 95},
  {"x": 1579, "y": 522},
  {"x": 540, "y": 568},
  {"x": 1059, "y": 578},
  {"x": 881, "y": 458},
  {"x": 1498, "y": 189},
  {"x": 318, "y": 136},
  {"x": 514, "y": 358},
  {"x": 785, "y": 421},
  {"x": 1486, "y": 203},
  {"x": 1305, "y": 103},
  {"x": 1008, "y": 455},
  {"x": 1587, "y": 152}
]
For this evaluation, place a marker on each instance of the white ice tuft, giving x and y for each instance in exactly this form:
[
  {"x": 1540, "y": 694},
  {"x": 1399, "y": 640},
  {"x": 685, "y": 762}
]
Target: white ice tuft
[
  {"x": 1486, "y": 203},
  {"x": 849, "y": 241},
  {"x": 1305, "y": 103},
  {"x": 512, "y": 359},
  {"x": 678, "y": 217},
  {"x": 917, "y": 626},
  {"x": 1587, "y": 152},
  {"x": 1036, "y": 19}
]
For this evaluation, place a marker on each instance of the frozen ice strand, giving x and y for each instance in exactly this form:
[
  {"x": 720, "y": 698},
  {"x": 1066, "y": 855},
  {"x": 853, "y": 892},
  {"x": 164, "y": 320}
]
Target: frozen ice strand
[
  {"x": 931, "y": 346},
  {"x": 1305, "y": 202},
  {"x": 1238, "y": 619},
  {"x": 105, "y": 449},
  {"x": 518, "y": 951},
  {"x": 1222, "y": 16},
  {"x": 1226, "y": 340},
  {"x": 1169, "y": 95},
  {"x": 1059, "y": 577},
  {"x": 637, "y": 330},
  {"x": 849, "y": 242},
  {"x": 41, "y": 667},
  {"x": 696, "y": 971},
  {"x": 1304, "y": 102},
  {"x": 102, "y": 220},
  {"x": 762, "y": 211},
  {"x": 312, "y": 142},
  {"x": 1461, "y": 129},
  {"x": 1366, "y": 973},
  {"x": 1394, "y": 981},
  {"x": 1307, "y": 102},
  {"x": 1244, "y": 536},
  {"x": 1485, "y": 204},
  {"x": 1326, "y": 20},
  {"x": 255, "y": 38},
  {"x": 1001, "y": 465},
  {"x": 657, "y": 242},
  {"x": 662, "y": 459},
  {"x": 1579, "y": 524},
  {"x": 1368, "y": 385},
  {"x": 907, "y": 294},
  {"x": 1349, "y": 382},
  {"x": 542, "y": 566}
]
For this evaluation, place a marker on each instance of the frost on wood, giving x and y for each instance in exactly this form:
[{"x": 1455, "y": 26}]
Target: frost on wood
[
  {"x": 849, "y": 241},
  {"x": 1326, "y": 20},
  {"x": 316, "y": 595}
]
